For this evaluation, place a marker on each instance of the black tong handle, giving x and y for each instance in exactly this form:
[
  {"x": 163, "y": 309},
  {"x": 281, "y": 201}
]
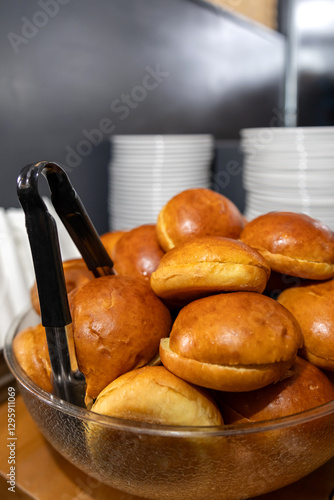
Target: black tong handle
[{"x": 43, "y": 238}]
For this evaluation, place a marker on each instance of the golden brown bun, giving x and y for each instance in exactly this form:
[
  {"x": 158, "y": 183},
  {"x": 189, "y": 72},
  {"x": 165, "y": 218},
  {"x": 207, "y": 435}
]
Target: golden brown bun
[
  {"x": 153, "y": 394},
  {"x": 76, "y": 274},
  {"x": 137, "y": 253},
  {"x": 207, "y": 265},
  {"x": 313, "y": 307},
  {"x": 117, "y": 325},
  {"x": 197, "y": 212},
  {"x": 293, "y": 244},
  {"x": 31, "y": 351},
  {"x": 110, "y": 239},
  {"x": 232, "y": 342},
  {"x": 304, "y": 387}
]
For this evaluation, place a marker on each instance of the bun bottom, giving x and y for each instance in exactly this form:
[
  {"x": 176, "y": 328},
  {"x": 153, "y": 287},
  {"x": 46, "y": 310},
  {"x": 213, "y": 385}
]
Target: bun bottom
[
  {"x": 230, "y": 378},
  {"x": 298, "y": 267},
  {"x": 189, "y": 282},
  {"x": 323, "y": 363}
]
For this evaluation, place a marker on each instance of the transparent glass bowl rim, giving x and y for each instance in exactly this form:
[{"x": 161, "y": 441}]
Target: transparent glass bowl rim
[{"x": 118, "y": 424}]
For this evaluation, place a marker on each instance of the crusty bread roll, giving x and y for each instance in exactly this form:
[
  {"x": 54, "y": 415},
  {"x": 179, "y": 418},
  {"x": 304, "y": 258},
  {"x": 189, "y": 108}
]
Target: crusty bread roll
[
  {"x": 152, "y": 394},
  {"x": 207, "y": 265},
  {"x": 293, "y": 244},
  {"x": 313, "y": 307},
  {"x": 31, "y": 351},
  {"x": 197, "y": 212},
  {"x": 137, "y": 253},
  {"x": 117, "y": 325},
  {"x": 232, "y": 342},
  {"x": 76, "y": 274},
  {"x": 110, "y": 239},
  {"x": 303, "y": 387}
]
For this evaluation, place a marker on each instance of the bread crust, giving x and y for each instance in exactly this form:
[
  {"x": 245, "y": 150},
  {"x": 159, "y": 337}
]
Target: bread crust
[
  {"x": 293, "y": 244},
  {"x": 117, "y": 325},
  {"x": 220, "y": 377},
  {"x": 110, "y": 239},
  {"x": 313, "y": 307},
  {"x": 31, "y": 351},
  {"x": 154, "y": 395},
  {"x": 137, "y": 253},
  {"x": 303, "y": 387},
  {"x": 207, "y": 265},
  {"x": 76, "y": 274},
  {"x": 197, "y": 212},
  {"x": 234, "y": 342}
]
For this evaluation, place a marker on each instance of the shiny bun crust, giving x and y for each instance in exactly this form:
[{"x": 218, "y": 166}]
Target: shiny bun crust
[
  {"x": 304, "y": 387},
  {"x": 197, "y": 212},
  {"x": 76, "y": 274},
  {"x": 154, "y": 395},
  {"x": 31, "y": 351},
  {"x": 207, "y": 265},
  {"x": 293, "y": 244},
  {"x": 138, "y": 253},
  {"x": 313, "y": 307},
  {"x": 117, "y": 325},
  {"x": 110, "y": 239},
  {"x": 232, "y": 342}
]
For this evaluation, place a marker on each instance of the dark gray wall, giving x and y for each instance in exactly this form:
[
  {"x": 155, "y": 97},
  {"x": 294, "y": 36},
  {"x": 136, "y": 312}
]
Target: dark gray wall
[{"x": 73, "y": 71}]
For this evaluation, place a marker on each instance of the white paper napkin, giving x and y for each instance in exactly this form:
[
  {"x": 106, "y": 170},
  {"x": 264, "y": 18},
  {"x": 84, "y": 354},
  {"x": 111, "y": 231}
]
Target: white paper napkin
[{"x": 16, "y": 267}]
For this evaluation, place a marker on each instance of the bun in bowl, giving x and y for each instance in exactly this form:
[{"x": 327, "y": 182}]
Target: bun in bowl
[
  {"x": 152, "y": 394},
  {"x": 110, "y": 239},
  {"x": 31, "y": 351},
  {"x": 207, "y": 265},
  {"x": 232, "y": 342},
  {"x": 293, "y": 244},
  {"x": 117, "y": 324},
  {"x": 197, "y": 212},
  {"x": 313, "y": 306},
  {"x": 304, "y": 387},
  {"x": 76, "y": 274},
  {"x": 137, "y": 253}
]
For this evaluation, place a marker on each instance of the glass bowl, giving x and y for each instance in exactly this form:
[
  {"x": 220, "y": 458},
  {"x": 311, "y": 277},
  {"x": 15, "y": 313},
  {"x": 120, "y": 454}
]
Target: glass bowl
[{"x": 231, "y": 462}]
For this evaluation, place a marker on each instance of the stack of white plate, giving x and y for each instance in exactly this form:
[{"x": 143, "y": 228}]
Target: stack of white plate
[
  {"x": 289, "y": 169},
  {"x": 145, "y": 171}
]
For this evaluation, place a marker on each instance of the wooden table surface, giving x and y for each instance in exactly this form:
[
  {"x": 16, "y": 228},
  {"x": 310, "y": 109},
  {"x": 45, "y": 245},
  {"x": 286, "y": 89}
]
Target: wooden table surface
[{"x": 41, "y": 473}]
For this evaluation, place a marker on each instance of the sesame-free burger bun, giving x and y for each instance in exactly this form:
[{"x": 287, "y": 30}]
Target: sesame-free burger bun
[
  {"x": 207, "y": 265},
  {"x": 117, "y": 324},
  {"x": 313, "y": 307},
  {"x": 137, "y": 253},
  {"x": 152, "y": 394},
  {"x": 303, "y": 387},
  {"x": 76, "y": 274},
  {"x": 232, "y": 342},
  {"x": 197, "y": 212},
  {"x": 110, "y": 239},
  {"x": 31, "y": 351},
  {"x": 293, "y": 244}
]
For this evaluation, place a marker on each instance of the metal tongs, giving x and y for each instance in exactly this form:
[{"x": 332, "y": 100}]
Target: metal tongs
[{"x": 68, "y": 381}]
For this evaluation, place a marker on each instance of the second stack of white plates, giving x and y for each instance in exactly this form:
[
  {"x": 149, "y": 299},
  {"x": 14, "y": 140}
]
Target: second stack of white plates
[
  {"x": 289, "y": 169},
  {"x": 145, "y": 171}
]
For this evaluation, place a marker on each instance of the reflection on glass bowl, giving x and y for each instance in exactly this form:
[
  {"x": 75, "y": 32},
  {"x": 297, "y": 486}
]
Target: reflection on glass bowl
[{"x": 231, "y": 462}]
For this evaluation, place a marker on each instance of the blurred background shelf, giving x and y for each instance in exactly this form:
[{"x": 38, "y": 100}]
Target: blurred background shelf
[{"x": 221, "y": 72}]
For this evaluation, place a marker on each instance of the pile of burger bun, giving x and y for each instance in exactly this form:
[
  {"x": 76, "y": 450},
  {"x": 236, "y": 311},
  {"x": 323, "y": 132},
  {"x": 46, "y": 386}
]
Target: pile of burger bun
[{"x": 208, "y": 319}]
